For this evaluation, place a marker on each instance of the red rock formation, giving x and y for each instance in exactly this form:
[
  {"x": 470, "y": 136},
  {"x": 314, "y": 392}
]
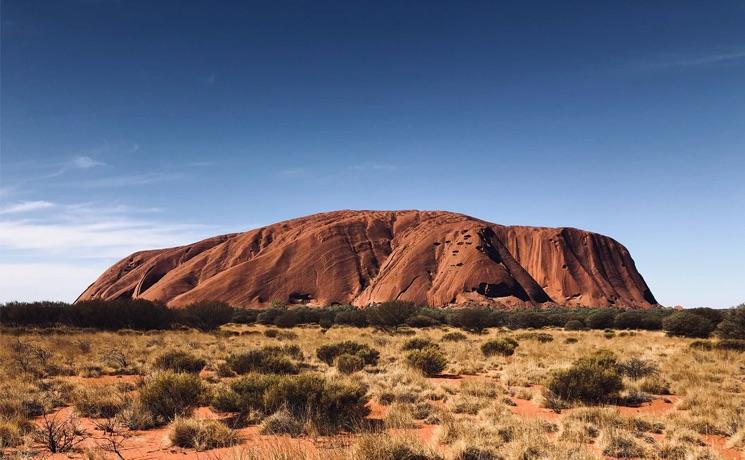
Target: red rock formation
[{"x": 362, "y": 257}]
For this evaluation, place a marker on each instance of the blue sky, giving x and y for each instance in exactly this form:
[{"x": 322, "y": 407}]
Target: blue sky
[{"x": 130, "y": 124}]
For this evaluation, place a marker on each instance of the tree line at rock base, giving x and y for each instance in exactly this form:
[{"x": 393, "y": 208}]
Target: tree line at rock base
[{"x": 138, "y": 314}]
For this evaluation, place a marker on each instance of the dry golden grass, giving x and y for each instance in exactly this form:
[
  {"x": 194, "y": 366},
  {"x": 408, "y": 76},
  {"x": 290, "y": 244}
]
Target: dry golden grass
[{"x": 469, "y": 417}]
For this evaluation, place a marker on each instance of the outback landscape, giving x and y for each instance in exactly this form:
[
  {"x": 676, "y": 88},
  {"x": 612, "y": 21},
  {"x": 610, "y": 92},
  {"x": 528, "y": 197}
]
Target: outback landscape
[
  {"x": 404, "y": 383},
  {"x": 389, "y": 230}
]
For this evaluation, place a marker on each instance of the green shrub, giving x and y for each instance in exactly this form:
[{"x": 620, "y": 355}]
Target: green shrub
[
  {"x": 328, "y": 404},
  {"x": 418, "y": 343},
  {"x": 421, "y": 321},
  {"x": 431, "y": 361},
  {"x": 170, "y": 394},
  {"x": 246, "y": 394},
  {"x": 201, "y": 434},
  {"x": 602, "y": 319},
  {"x": 205, "y": 315},
  {"x": 180, "y": 361},
  {"x": 349, "y": 364},
  {"x": 268, "y": 360},
  {"x": 592, "y": 379},
  {"x": 390, "y": 314},
  {"x": 733, "y": 324},
  {"x": 454, "y": 337},
  {"x": 328, "y": 353},
  {"x": 98, "y": 401},
  {"x": 475, "y": 319},
  {"x": 574, "y": 325},
  {"x": 505, "y": 347},
  {"x": 686, "y": 324}
]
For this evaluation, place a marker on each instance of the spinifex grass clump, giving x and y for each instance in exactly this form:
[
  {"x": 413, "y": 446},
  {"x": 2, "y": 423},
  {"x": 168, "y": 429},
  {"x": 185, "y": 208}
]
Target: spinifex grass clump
[
  {"x": 326, "y": 404},
  {"x": 505, "y": 347},
  {"x": 429, "y": 360},
  {"x": 180, "y": 361},
  {"x": 592, "y": 379},
  {"x": 327, "y": 353},
  {"x": 170, "y": 394},
  {"x": 268, "y": 360}
]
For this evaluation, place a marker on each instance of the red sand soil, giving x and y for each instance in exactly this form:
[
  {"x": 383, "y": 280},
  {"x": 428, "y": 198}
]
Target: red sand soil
[
  {"x": 362, "y": 257},
  {"x": 152, "y": 444}
]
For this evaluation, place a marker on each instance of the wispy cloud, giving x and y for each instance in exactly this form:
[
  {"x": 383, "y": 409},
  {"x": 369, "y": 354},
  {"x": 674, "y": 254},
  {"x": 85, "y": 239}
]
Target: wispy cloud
[
  {"x": 26, "y": 206},
  {"x": 373, "y": 166},
  {"x": 90, "y": 230},
  {"x": 86, "y": 162},
  {"x": 126, "y": 180},
  {"x": 60, "y": 249},
  {"x": 291, "y": 173},
  {"x": 694, "y": 60}
]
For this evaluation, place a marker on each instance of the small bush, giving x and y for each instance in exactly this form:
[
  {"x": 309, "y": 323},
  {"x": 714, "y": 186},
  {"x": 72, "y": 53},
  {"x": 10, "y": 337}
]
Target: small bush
[
  {"x": 430, "y": 361},
  {"x": 11, "y": 434},
  {"x": 504, "y": 347},
  {"x": 384, "y": 447},
  {"x": 136, "y": 416},
  {"x": 574, "y": 325},
  {"x": 328, "y": 404},
  {"x": 390, "y": 314},
  {"x": 269, "y": 360},
  {"x": 571, "y": 340},
  {"x": 592, "y": 379},
  {"x": 686, "y": 324},
  {"x": 201, "y": 434},
  {"x": 349, "y": 364},
  {"x": 636, "y": 368},
  {"x": 246, "y": 394},
  {"x": 98, "y": 402},
  {"x": 180, "y": 361},
  {"x": 421, "y": 321},
  {"x": 170, "y": 394},
  {"x": 328, "y": 353},
  {"x": 59, "y": 434},
  {"x": 454, "y": 337},
  {"x": 418, "y": 343},
  {"x": 281, "y": 422}
]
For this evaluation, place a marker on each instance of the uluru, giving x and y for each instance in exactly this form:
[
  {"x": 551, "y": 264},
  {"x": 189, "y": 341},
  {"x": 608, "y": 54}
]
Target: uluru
[{"x": 432, "y": 258}]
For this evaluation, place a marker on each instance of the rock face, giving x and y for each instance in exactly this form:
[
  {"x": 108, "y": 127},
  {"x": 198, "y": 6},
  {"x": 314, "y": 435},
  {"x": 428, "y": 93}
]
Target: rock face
[{"x": 362, "y": 257}]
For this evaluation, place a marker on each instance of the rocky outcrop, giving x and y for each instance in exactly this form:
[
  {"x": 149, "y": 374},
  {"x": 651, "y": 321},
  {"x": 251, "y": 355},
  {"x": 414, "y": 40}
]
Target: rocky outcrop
[{"x": 362, "y": 257}]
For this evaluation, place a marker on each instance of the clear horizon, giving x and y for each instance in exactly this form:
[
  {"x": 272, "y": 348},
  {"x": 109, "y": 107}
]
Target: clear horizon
[{"x": 131, "y": 125}]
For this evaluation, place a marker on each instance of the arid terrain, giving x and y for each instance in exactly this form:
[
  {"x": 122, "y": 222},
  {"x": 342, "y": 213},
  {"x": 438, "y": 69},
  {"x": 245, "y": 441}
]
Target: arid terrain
[{"x": 256, "y": 391}]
